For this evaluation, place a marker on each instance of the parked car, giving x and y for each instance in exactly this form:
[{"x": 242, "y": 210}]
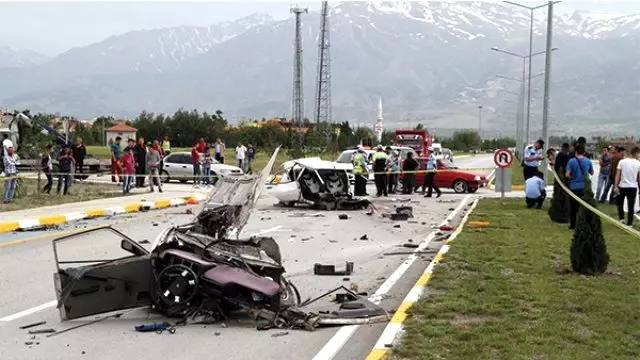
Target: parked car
[
  {"x": 178, "y": 166},
  {"x": 460, "y": 181}
]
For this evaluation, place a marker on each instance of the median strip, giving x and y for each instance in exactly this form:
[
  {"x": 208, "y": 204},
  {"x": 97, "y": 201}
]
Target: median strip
[{"x": 57, "y": 219}]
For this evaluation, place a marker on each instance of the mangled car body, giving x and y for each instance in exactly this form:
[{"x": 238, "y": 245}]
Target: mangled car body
[
  {"x": 201, "y": 267},
  {"x": 316, "y": 182}
]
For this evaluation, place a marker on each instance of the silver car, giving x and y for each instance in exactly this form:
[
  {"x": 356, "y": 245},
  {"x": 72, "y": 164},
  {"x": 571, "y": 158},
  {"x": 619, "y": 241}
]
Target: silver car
[{"x": 179, "y": 166}]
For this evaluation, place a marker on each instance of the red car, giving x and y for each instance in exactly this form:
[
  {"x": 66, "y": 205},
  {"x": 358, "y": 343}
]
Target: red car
[{"x": 460, "y": 181}]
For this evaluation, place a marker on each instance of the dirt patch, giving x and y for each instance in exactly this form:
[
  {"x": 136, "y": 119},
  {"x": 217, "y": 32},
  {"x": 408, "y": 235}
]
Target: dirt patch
[{"x": 466, "y": 319}]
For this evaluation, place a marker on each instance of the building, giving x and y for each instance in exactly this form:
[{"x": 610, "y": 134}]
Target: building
[
  {"x": 120, "y": 129},
  {"x": 627, "y": 142}
]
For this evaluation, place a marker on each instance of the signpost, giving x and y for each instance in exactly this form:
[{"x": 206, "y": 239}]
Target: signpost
[{"x": 503, "y": 158}]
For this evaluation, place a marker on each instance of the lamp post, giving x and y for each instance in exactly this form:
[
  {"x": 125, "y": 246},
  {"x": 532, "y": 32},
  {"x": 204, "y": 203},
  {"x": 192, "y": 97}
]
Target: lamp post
[
  {"x": 526, "y": 137},
  {"x": 480, "y": 124},
  {"x": 531, "y": 9},
  {"x": 547, "y": 76}
]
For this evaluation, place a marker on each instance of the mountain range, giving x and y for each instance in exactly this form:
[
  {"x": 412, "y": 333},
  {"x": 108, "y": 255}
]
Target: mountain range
[{"x": 430, "y": 61}]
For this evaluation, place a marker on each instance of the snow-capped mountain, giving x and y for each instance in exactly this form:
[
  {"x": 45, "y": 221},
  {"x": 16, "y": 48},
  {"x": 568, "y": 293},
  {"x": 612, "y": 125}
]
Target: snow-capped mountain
[
  {"x": 431, "y": 62},
  {"x": 20, "y": 58}
]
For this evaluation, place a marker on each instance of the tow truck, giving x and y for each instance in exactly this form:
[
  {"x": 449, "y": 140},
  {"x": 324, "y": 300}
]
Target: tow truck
[{"x": 418, "y": 140}]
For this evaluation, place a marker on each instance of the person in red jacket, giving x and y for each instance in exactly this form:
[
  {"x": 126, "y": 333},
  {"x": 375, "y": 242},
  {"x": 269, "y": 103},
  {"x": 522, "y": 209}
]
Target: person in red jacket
[
  {"x": 202, "y": 146},
  {"x": 195, "y": 160},
  {"x": 128, "y": 164}
]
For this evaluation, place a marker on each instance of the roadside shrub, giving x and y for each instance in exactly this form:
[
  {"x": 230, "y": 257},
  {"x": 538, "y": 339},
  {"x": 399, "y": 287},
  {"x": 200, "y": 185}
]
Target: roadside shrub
[{"x": 588, "y": 249}]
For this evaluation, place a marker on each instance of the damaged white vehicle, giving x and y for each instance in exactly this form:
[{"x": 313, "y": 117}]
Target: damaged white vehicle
[{"x": 316, "y": 182}]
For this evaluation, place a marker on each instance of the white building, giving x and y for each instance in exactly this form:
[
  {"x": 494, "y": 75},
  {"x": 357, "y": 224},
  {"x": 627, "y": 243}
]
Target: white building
[{"x": 120, "y": 129}]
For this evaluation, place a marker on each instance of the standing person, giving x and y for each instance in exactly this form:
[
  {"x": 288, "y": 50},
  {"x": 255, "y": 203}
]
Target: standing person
[
  {"x": 360, "y": 173},
  {"x": 220, "y": 148},
  {"x": 116, "y": 153},
  {"x": 379, "y": 166},
  {"x": 430, "y": 176},
  {"x": 562, "y": 158},
  {"x": 394, "y": 170},
  {"x": 409, "y": 168},
  {"x": 153, "y": 160},
  {"x": 65, "y": 163},
  {"x": 578, "y": 170},
  {"x": 532, "y": 157},
  {"x": 626, "y": 184},
  {"x": 618, "y": 155},
  {"x": 11, "y": 172},
  {"x": 603, "y": 175},
  {"x": 251, "y": 156},
  {"x": 166, "y": 146},
  {"x": 534, "y": 191},
  {"x": 241, "y": 152},
  {"x": 202, "y": 146},
  {"x": 140, "y": 155},
  {"x": 195, "y": 160},
  {"x": 47, "y": 168},
  {"x": 206, "y": 167},
  {"x": 128, "y": 162},
  {"x": 79, "y": 153}
]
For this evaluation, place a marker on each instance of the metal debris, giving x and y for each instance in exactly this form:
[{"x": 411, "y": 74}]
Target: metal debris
[
  {"x": 33, "y": 325},
  {"x": 364, "y": 237},
  {"x": 42, "y": 331},
  {"x": 343, "y": 216},
  {"x": 319, "y": 269},
  {"x": 279, "y": 334}
]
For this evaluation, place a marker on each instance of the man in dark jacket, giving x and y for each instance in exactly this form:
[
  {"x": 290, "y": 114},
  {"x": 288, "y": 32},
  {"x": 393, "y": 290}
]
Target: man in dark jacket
[
  {"x": 79, "y": 153},
  {"x": 140, "y": 157}
]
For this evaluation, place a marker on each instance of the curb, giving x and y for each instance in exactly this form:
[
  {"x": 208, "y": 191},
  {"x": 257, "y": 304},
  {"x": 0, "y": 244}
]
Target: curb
[
  {"x": 394, "y": 327},
  {"x": 29, "y": 224}
]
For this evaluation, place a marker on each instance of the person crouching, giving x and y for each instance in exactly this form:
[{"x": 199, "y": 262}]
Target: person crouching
[{"x": 535, "y": 191}]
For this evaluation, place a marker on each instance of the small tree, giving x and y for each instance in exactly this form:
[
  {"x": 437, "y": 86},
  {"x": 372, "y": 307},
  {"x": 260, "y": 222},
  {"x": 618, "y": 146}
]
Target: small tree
[
  {"x": 559, "y": 210},
  {"x": 588, "y": 249}
]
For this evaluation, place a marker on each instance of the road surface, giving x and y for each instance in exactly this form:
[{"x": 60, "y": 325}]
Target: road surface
[{"x": 26, "y": 268}]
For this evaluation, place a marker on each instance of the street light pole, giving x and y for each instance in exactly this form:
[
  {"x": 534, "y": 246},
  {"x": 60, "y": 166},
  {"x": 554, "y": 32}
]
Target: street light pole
[
  {"x": 547, "y": 76},
  {"x": 520, "y": 139},
  {"x": 528, "y": 132},
  {"x": 480, "y": 124}
]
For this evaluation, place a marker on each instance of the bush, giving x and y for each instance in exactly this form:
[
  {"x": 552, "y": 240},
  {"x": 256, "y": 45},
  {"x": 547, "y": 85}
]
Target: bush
[{"x": 588, "y": 249}]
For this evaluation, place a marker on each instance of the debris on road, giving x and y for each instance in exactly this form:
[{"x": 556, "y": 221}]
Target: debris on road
[
  {"x": 32, "y": 325},
  {"x": 41, "y": 331},
  {"x": 346, "y": 279},
  {"x": 397, "y": 226},
  {"x": 364, "y": 237},
  {"x": 279, "y": 334},
  {"x": 446, "y": 227},
  {"x": 319, "y": 269},
  {"x": 296, "y": 215},
  {"x": 410, "y": 245},
  {"x": 343, "y": 216}
]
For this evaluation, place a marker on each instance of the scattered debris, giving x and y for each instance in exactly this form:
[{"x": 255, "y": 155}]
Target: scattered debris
[
  {"x": 154, "y": 224},
  {"x": 306, "y": 239},
  {"x": 28, "y": 342},
  {"x": 305, "y": 215},
  {"x": 42, "y": 331},
  {"x": 397, "y": 226},
  {"x": 319, "y": 269},
  {"x": 446, "y": 228},
  {"x": 410, "y": 245},
  {"x": 364, "y": 237},
  {"x": 279, "y": 334},
  {"x": 479, "y": 224},
  {"x": 451, "y": 209},
  {"x": 333, "y": 241},
  {"x": 217, "y": 333},
  {"x": 115, "y": 316},
  {"x": 343, "y": 216},
  {"x": 353, "y": 287},
  {"x": 33, "y": 325},
  {"x": 157, "y": 327},
  {"x": 268, "y": 218},
  {"x": 189, "y": 211},
  {"x": 340, "y": 298},
  {"x": 346, "y": 279}
]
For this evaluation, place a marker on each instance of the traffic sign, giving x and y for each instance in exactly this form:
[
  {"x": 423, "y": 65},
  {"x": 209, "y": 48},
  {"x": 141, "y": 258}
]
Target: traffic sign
[{"x": 503, "y": 158}]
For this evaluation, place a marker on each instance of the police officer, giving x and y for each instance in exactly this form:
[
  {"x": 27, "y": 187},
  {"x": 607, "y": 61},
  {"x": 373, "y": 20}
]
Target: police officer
[
  {"x": 429, "y": 178},
  {"x": 379, "y": 169},
  {"x": 360, "y": 173},
  {"x": 532, "y": 157}
]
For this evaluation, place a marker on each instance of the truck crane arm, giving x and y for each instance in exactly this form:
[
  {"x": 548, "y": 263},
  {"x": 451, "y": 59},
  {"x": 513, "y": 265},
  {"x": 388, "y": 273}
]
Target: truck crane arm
[{"x": 60, "y": 139}]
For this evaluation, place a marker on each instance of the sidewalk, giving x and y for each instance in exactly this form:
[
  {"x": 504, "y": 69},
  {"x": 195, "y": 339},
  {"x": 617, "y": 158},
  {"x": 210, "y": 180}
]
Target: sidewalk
[{"x": 52, "y": 215}]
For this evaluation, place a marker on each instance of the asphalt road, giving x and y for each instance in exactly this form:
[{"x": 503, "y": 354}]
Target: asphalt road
[{"x": 26, "y": 268}]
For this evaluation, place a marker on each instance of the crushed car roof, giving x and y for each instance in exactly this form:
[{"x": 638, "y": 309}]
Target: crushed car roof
[{"x": 315, "y": 163}]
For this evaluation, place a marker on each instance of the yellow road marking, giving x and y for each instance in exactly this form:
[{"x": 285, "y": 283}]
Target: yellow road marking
[
  {"x": 95, "y": 212},
  {"x": 377, "y": 354},
  {"x": 423, "y": 280},
  {"x": 52, "y": 219},
  {"x": 401, "y": 313},
  {"x": 9, "y": 226},
  {"x": 69, "y": 232},
  {"x": 163, "y": 203},
  {"x": 132, "y": 207}
]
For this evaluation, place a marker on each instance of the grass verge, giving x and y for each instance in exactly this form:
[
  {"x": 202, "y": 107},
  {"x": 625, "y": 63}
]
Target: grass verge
[
  {"x": 505, "y": 292},
  {"x": 27, "y": 196}
]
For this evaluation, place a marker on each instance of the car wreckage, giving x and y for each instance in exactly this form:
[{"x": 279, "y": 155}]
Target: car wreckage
[
  {"x": 315, "y": 182},
  {"x": 201, "y": 268}
]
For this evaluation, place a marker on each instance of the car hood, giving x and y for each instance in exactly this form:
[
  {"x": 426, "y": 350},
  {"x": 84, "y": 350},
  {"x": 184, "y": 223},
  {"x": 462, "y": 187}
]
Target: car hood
[{"x": 225, "y": 167}]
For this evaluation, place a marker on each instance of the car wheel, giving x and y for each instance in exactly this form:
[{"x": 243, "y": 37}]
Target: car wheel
[
  {"x": 460, "y": 186},
  {"x": 472, "y": 190},
  {"x": 164, "y": 177}
]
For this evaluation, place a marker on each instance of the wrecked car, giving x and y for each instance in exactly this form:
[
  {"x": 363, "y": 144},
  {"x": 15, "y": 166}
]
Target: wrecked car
[
  {"x": 316, "y": 182},
  {"x": 201, "y": 268}
]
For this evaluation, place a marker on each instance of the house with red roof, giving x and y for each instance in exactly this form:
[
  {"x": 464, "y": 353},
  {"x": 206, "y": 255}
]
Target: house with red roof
[{"x": 120, "y": 129}]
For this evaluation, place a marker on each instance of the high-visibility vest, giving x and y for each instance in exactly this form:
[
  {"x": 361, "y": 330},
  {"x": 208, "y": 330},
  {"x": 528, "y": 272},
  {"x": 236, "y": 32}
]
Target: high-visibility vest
[
  {"x": 166, "y": 145},
  {"x": 379, "y": 161},
  {"x": 358, "y": 164}
]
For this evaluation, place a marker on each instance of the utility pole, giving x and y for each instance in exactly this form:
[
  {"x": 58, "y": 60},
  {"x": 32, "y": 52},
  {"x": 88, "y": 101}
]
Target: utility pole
[
  {"x": 547, "y": 76},
  {"x": 298, "y": 99},
  {"x": 323, "y": 84},
  {"x": 480, "y": 123}
]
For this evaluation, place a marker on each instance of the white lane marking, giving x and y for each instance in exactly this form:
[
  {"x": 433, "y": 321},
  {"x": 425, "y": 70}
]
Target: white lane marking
[
  {"x": 29, "y": 311},
  {"x": 388, "y": 335},
  {"x": 333, "y": 346},
  {"x": 266, "y": 231}
]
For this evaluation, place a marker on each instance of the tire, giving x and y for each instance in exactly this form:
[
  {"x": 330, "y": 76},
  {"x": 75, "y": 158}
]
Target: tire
[
  {"x": 290, "y": 295},
  {"x": 472, "y": 190},
  {"x": 164, "y": 177},
  {"x": 460, "y": 186}
]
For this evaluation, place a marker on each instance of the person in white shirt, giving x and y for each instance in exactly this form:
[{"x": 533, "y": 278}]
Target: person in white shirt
[
  {"x": 535, "y": 192},
  {"x": 220, "y": 147},
  {"x": 241, "y": 151},
  {"x": 626, "y": 184}
]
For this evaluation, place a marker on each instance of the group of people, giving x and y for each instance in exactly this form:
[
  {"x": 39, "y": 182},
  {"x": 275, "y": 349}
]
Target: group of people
[
  {"x": 137, "y": 161},
  {"x": 10, "y": 169},
  {"x": 618, "y": 178},
  {"x": 202, "y": 160},
  {"x": 386, "y": 166}
]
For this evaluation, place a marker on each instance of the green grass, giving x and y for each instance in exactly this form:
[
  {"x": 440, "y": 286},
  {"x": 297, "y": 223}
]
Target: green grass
[
  {"x": 505, "y": 292},
  {"x": 27, "y": 196}
]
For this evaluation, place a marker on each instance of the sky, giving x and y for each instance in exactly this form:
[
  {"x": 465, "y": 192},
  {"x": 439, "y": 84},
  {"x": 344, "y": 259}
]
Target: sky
[{"x": 52, "y": 27}]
